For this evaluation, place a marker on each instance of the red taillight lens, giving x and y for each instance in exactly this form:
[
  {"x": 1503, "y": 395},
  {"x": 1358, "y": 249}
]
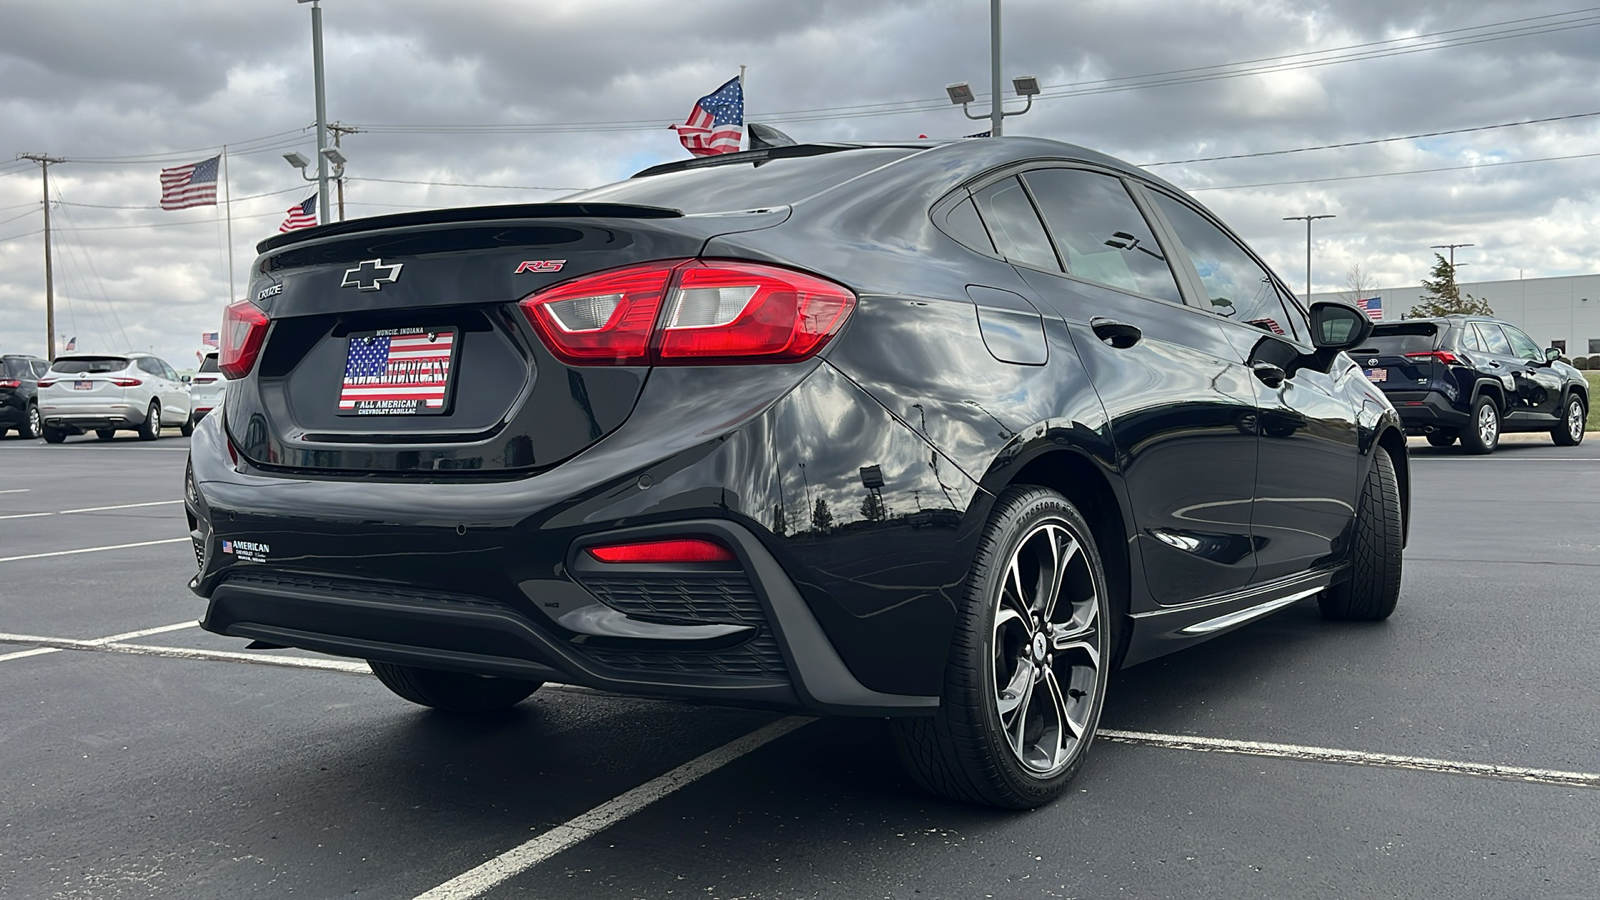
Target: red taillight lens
[
  {"x": 603, "y": 319},
  {"x": 722, "y": 311},
  {"x": 10, "y": 383},
  {"x": 46, "y": 382},
  {"x": 1444, "y": 356},
  {"x": 244, "y": 327},
  {"x": 126, "y": 382},
  {"x": 674, "y": 550},
  {"x": 689, "y": 312}
]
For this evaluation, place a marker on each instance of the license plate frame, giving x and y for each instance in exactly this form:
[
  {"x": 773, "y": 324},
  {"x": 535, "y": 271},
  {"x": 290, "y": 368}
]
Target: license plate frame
[
  {"x": 1377, "y": 376},
  {"x": 407, "y": 371},
  {"x": 85, "y": 385}
]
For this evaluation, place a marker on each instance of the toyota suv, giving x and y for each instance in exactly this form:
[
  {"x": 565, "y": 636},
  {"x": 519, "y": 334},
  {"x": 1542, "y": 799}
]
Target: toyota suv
[{"x": 1473, "y": 377}]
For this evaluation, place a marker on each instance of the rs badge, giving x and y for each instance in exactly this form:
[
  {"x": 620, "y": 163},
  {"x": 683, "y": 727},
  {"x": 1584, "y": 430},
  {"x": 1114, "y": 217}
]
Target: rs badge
[{"x": 540, "y": 265}]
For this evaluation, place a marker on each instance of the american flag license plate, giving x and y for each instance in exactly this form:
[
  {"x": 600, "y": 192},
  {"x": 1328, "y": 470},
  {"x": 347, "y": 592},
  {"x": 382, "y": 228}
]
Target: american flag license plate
[
  {"x": 399, "y": 372},
  {"x": 1376, "y": 375}
]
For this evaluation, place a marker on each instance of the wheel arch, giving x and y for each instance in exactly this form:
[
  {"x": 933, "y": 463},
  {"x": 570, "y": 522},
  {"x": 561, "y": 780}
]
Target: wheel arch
[
  {"x": 1494, "y": 389},
  {"x": 1393, "y": 440}
]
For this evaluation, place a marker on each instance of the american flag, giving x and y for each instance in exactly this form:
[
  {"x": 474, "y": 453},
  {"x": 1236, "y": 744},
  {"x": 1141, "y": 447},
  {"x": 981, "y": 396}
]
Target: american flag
[
  {"x": 301, "y": 215},
  {"x": 1373, "y": 307},
  {"x": 191, "y": 185},
  {"x": 717, "y": 123},
  {"x": 401, "y": 373},
  {"x": 208, "y": 338},
  {"x": 72, "y": 343}
]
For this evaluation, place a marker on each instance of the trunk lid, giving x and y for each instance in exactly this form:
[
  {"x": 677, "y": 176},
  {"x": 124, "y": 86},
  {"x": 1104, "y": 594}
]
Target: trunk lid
[
  {"x": 1386, "y": 362},
  {"x": 396, "y": 344}
]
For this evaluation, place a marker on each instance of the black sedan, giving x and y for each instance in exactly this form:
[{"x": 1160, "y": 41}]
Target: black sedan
[{"x": 942, "y": 432}]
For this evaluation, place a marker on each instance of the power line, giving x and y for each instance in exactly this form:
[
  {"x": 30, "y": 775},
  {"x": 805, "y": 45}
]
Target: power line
[
  {"x": 1487, "y": 165},
  {"x": 509, "y": 187}
]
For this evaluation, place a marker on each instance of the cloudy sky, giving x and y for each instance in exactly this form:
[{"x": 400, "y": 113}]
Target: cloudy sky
[{"x": 499, "y": 101}]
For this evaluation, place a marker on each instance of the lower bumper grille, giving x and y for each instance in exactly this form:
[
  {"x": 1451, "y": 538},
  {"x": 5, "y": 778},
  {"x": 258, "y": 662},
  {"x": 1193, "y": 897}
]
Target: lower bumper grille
[{"x": 691, "y": 599}]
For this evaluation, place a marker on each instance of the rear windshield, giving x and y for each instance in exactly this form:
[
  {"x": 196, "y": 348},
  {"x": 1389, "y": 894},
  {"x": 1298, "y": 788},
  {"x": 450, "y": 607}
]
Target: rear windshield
[
  {"x": 737, "y": 186},
  {"x": 1397, "y": 340},
  {"x": 89, "y": 364},
  {"x": 209, "y": 364},
  {"x": 17, "y": 368}
]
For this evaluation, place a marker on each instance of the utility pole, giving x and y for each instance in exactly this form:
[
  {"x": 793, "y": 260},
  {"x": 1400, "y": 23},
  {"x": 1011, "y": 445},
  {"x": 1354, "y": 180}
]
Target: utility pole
[
  {"x": 45, "y": 162},
  {"x": 339, "y": 130},
  {"x": 1308, "y": 221},
  {"x": 322, "y": 111},
  {"x": 1452, "y": 249}
]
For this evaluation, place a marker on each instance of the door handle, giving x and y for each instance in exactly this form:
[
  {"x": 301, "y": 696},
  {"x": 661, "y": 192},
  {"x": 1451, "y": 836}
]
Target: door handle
[
  {"x": 1494, "y": 364},
  {"x": 1270, "y": 375},
  {"x": 1120, "y": 335}
]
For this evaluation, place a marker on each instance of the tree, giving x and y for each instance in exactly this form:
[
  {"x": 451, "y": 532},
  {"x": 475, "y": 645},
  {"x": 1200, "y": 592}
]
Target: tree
[
  {"x": 872, "y": 507},
  {"x": 1359, "y": 284},
  {"x": 822, "y": 516},
  {"x": 1444, "y": 298}
]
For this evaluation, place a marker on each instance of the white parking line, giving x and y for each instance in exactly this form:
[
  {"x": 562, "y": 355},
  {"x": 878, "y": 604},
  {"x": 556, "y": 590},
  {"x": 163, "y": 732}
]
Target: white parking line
[
  {"x": 114, "y": 644},
  {"x": 89, "y": 509},
  {"x": 519, "y": 859},
  {"x": 90, "y": 644},
  {"x": 6, "y": 559},
  {"x": 1353, "y": 757},
  {"x": 16, "y": 491}
]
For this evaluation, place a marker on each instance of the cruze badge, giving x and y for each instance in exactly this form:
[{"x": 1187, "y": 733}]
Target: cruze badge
[
  {"x": 540, "y": 265},
  {"x": 371, "y": 275}
]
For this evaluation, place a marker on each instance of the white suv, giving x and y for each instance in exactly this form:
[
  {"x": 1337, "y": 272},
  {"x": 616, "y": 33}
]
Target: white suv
[
  {"x": 206, "y": 388},
  {"x": 103, "y": 393}
]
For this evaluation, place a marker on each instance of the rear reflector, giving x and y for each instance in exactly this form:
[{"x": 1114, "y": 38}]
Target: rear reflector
[
  {"x": 673, "y": 550},
  {"x": 244, "y": 327},
  {"x": 689, "y": 312},
  {"x": 1444, "y": 356}
]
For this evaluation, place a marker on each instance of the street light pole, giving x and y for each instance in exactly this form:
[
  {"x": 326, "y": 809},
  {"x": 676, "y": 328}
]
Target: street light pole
[
  {"x": 997, "y": 114},
  {"x": 1452, "y": 249},
  {"x": 322, "y": 111},
  {"x": 1308, "y": 221}
]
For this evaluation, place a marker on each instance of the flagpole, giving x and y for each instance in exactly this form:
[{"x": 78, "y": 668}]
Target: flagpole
[
  {"x": 227, "y": 193},
  {"x": 744, "y": 98}
]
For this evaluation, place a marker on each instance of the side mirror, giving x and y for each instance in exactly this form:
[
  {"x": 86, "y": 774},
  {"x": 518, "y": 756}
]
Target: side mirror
[
  {"x": 1552, "y": 354},
  {"x": 1338, "y": 326},
  {"x": 184, "y": 378}
]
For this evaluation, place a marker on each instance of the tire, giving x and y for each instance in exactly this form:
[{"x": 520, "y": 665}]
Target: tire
[
  {"x": 54, "y": 435},
  {"x": 1482, "y": 431},
  {"x": 1054, "y": 675},
  {"x": 1441, "y": 438},
  {"x": 1570, "y": 432},
  {"x": 453, "y": 692},
  {"x": 105, "y": 434},
  {"x": 1373, "y": 588},
  {"x": 150, "y": 428},
  {"x": 32, "y": 425},
  {"x": 187, "y": 428}
]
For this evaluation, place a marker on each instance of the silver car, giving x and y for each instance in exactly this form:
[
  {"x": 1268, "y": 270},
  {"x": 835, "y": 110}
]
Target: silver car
[
  {"x": 104, "y": 393},
  {"x": 206, "y": 388}
]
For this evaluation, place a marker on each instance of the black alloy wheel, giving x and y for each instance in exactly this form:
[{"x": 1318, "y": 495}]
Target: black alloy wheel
[
  {"x": 453, "y": 692},
  {"x": 1569, "y": 433},
  {"x": 1373, "y": 588},
  {"x": 150, "y": 428},
  {"x": 1482, "y": 432},
  {"x": 1026, "y": 678},
  {"x": 1441, "y": 438}
]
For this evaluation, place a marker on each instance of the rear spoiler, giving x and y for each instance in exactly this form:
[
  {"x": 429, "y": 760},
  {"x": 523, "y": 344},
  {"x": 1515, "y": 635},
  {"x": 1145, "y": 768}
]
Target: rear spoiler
[{"x": 470, "y": 214}]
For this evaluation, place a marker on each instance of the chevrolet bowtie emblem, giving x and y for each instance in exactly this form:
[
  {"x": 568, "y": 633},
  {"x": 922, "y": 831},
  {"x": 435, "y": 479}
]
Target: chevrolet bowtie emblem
[{"x": 371, "y": 275}]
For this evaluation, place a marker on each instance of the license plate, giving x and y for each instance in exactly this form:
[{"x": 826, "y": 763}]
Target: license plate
[
  {"x": 83, "y": 385},
  {"x": 399, "y": 372},
  {"x": 1376, "y": 375}
]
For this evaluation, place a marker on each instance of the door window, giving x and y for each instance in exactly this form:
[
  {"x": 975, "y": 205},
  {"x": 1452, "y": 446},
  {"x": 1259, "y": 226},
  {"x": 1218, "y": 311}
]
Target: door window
[
  {"x": 1014, "y": 225},
  {"x": 167, "y": 371},
  {"x": 1237, "y": 287},
  {"x": 1494, "y": 340},
  {"x": 1522, "y": 345},
  {"x": 1100, "y": 234}
]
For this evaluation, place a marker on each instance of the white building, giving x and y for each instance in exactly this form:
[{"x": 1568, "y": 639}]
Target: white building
[{"x": 1556, "y": 312}]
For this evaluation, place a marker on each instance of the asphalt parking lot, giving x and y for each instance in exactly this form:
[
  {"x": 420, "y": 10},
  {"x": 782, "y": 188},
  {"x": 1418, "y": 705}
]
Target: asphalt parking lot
[{"x": 1449, "y": 752}]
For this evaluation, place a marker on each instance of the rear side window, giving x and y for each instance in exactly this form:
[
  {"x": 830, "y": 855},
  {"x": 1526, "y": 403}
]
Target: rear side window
[
  {"x": 743, "y": 185},
  {"x": 1015, "y": 227},
  {"x": 1100, "y": 234},
  {"x": 39, "y": 368},
  {"x": 1467, "y": 339},
  {"x": 209, "y": 364},
  {"x": 1398, "y": 340},
  {"x": 80, "y": 365},
  {"x": 1494, "y": 340},
  {"x": 1236, "y": 286}
]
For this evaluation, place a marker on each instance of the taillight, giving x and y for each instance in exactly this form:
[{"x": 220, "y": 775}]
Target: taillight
[
  {"x": 46, "y": 382},
  {"x": 10, "y": 383},
  {"x": 673, "y": 550},
  {"x": 244, "y": 327},
  {"x": 1444, "y": 356},
  {"x": 126, "y": 382},
  {"x": 689, "y": 312}
]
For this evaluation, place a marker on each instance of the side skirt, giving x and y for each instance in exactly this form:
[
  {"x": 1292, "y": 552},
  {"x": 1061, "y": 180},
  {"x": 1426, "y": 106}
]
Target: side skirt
[{"x": 1162, "y": 631}]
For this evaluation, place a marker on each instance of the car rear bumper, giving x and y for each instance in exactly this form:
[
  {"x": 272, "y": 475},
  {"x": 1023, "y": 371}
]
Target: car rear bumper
[{"x": 1425, "y": 411}]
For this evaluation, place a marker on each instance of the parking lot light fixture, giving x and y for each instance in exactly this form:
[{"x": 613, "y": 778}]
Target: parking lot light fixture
[{"x": 960, "y": 93}]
